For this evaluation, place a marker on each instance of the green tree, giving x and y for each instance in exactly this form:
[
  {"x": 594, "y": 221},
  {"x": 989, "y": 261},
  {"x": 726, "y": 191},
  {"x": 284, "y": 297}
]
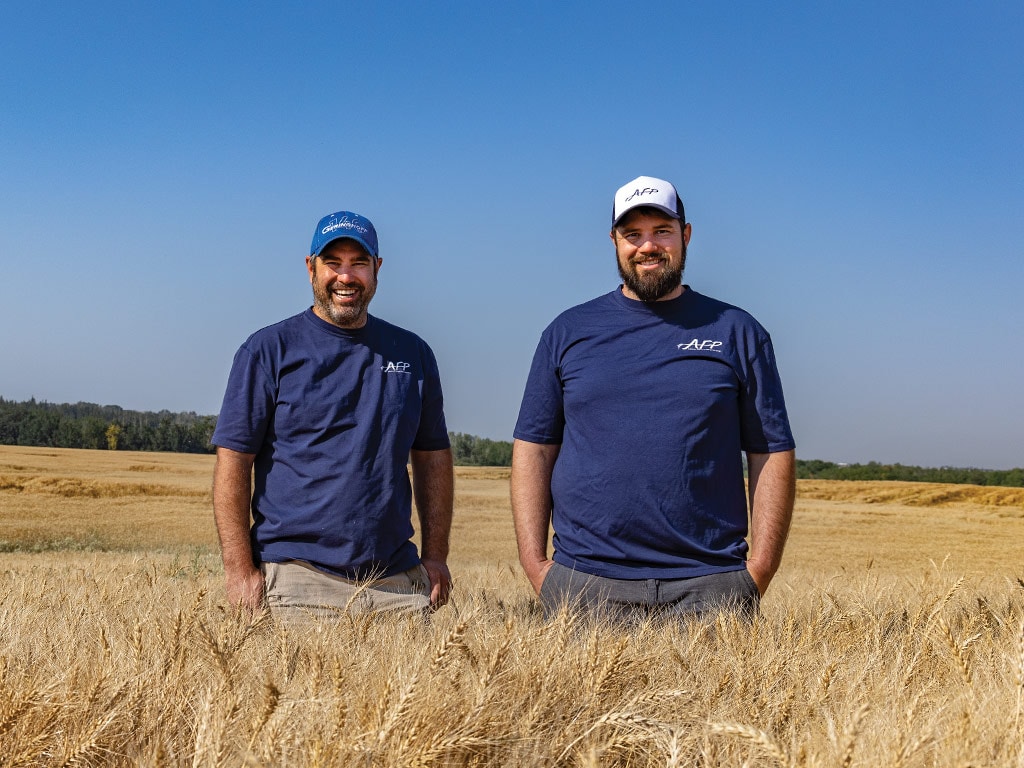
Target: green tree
[
  {"x": 113, "y": 433},
  {"x": 93, "y": 433}
]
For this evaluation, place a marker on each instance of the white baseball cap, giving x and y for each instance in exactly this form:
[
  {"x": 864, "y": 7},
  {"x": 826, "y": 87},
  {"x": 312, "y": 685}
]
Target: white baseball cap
[{"x": 647, "y": 190}]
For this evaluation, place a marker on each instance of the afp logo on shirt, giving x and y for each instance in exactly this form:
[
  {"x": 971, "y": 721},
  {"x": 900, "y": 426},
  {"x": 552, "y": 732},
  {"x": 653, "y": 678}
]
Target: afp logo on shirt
[
  {"x": 705, "y": 345},
  {"x": 398, "y": 367}
]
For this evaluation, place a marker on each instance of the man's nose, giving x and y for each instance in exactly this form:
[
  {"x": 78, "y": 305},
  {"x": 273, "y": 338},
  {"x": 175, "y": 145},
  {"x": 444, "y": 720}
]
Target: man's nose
[{"x": 648, "y": 245}]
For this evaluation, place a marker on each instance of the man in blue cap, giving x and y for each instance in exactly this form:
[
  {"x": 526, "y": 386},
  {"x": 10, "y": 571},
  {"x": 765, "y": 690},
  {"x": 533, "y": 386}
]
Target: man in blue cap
[
  {"x": 638, "y": 408},
  {"x": 321, "y": 414}
]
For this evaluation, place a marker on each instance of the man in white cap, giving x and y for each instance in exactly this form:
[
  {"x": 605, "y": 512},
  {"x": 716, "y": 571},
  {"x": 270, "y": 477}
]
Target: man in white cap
[
  {"x": 638, "y": 409},
  {"x": 321, "y": 414}
]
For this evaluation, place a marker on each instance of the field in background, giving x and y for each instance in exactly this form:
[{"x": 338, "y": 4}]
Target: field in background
[
  {"x": 892, "y": 636},
  {"x": 55, "y": 499}
]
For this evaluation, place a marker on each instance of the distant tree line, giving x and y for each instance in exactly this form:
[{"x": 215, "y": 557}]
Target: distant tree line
[
  {"x": 110, "y": 427},
  {"x": 103, "y": 427},
  {"x": 473, "y": 451},
  {"x": 826, "y": 470}
]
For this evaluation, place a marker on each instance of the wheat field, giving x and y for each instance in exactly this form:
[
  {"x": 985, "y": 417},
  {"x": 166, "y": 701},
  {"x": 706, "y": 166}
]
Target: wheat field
[{"x": 892, "y": 636}]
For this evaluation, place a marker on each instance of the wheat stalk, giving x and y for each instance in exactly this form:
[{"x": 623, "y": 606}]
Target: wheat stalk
[
  {"x": 826, "y": 676},
  {"x": 271, "y": 698},
  {"x": 11, "y": 712},
  {"x": 944, "y": 600},
  {"x": 397, "y": 713},
  {"x": 908, "y": 749},
  {"x": 89, "y": 746},
  {"x": 204, "y": 729},
  {"x": 616, "y": 719},
  {"x": 603, "y": 675},
  {"x": 852, "y": 731},
  {"x": 451, "y": 641},
  {"x": 644, "y": 698},
  {"x": 218, "y": 653},
  {"x": 754, "y": 736},
  {"x": 962, "y": 662}
]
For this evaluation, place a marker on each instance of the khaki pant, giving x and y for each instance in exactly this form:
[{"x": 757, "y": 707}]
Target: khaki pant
[{"x": 298, "y": 591}]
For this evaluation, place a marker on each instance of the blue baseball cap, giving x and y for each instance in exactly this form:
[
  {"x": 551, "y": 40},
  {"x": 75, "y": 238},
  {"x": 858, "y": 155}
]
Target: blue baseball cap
[{"x": 335, "y": 226}]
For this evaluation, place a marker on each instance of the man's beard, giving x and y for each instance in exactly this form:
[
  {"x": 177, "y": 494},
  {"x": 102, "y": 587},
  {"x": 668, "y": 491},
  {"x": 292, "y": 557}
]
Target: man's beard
[
  {"x": 652, "y": 287},
  {"x": 344, "y": 317}
]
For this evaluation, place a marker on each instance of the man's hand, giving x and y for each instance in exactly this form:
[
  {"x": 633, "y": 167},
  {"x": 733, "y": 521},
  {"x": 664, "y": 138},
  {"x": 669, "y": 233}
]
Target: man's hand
[
  {"x": 440, "y": 582},
  {"x": 536, "y": 573},
  {"x": 761, "y": 575},
  {"x": 246, "y": 590}
]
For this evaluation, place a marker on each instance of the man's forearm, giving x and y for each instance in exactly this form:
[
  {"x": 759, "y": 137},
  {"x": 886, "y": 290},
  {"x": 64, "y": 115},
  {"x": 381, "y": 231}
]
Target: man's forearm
[
  {"x": 433, "y": 487},
  {"x": 433, "y": 483},
  {"x": 530, "y": 490},
  {"x": 232, "y": 491},
  {"x": 772, "y": 482}
]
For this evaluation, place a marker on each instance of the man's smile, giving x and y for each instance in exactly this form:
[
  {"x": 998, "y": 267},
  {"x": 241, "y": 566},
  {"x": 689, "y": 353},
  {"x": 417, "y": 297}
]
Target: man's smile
[
  {"x": 650, "y": 261},
  {"x": 344, "y": 292}
]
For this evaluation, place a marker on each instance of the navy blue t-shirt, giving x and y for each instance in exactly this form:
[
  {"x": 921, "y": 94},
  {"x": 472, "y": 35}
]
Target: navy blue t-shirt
[
  {"x": 331, "y": 415},
  {"x": 653, "y": 405}
]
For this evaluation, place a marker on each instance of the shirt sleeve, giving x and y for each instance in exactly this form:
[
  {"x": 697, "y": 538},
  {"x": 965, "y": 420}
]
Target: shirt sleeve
[
  {"x": 764, "y": 421},
  {"x": 432, "y": 434},
  {"x": 247, "y": 407},
  {"x": 542, "y": 413}
]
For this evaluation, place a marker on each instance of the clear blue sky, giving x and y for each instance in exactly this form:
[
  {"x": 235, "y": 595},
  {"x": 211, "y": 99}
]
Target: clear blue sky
[{"x": 853, "y": 173}]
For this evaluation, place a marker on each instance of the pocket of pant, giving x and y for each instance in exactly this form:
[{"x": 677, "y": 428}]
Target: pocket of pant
[
  {"x": 420, "y": 579},
  {"x": 269, "y": 576}
]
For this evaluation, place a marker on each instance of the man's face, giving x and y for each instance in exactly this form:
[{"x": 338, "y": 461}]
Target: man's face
[
  {"x": 344, "y": 279},
  {"x": 651, "y": 252}
]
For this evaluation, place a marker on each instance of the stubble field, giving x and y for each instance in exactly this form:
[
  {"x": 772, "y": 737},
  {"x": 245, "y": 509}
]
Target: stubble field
[{"x": 892, "y": 636}]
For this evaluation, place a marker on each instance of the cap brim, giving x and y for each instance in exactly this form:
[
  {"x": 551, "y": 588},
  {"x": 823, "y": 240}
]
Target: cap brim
[
  {"x": 667, "y": 211},
  {"x": 366, "y": 246}
]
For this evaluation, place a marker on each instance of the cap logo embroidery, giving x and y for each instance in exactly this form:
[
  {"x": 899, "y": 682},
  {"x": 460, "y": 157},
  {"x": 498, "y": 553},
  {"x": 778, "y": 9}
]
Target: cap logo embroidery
[
  {"x": 641, "y": 192},
  {"x": 344, "y": 223}
]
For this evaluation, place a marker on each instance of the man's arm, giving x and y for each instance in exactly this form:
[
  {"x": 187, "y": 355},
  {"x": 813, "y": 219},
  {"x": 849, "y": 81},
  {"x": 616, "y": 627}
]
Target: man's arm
[
  {"x": 433, "y": 486},
  {"x": 772, "y": 484},
  {"x": 232, "y": 494},
  {"x": 532, "y": 465}
]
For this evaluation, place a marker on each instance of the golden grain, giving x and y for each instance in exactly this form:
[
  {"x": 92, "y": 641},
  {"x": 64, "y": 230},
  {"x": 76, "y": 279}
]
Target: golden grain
[
  {"x": 754, "y": 736},
  {"x": 891, "y": 636}
]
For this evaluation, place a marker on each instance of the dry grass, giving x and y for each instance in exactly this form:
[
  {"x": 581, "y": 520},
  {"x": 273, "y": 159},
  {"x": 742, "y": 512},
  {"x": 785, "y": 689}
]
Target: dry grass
[
  {"x": 913, "y": 494},
  {"x": 894, "y": 636},
  {"x": 56, "y": 499}
]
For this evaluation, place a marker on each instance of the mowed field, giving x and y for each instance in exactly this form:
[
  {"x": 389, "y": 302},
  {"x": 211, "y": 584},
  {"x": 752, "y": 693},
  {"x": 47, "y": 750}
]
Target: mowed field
[{"x": 893, "y": 635}]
